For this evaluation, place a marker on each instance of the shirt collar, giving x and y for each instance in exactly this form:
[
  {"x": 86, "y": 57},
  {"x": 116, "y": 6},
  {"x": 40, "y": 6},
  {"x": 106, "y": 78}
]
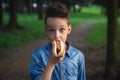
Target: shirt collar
[{"x": 69, "y": 48}]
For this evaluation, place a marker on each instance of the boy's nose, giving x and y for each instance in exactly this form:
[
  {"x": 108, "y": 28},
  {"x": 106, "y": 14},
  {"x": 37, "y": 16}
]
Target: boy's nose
[{"x": 56, "y": 35}]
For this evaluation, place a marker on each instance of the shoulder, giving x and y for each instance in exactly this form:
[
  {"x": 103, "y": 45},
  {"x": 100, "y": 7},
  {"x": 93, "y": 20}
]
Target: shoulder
[
  {"x": 76, "y": 55},
  {"x": 77, "y": 51},
  {"x": 42, "y": 50},
  {"x": 72, "y": 51}
]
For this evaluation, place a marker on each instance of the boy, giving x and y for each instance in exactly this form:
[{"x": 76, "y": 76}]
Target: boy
[{"x": 44, "y": 66}]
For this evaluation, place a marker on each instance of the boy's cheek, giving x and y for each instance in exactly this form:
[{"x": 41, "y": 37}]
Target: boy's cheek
[{"x": 50, "y": 38}]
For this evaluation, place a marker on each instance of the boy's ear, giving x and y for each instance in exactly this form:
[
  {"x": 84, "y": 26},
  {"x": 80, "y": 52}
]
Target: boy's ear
[{"x": 69, "y": 29}]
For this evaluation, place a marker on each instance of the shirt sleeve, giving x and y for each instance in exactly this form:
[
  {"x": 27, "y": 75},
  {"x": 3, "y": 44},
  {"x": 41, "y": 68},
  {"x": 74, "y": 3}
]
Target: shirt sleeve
[
  {"x": 82, "y": 73},
  {"x": 36, "y": 68}
]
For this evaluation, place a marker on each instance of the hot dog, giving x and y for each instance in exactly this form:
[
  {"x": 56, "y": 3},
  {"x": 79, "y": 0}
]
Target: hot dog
[{"x": 58, "y": 48}]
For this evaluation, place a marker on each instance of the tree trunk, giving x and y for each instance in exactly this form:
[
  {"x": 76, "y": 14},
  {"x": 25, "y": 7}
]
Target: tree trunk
[
  {"x": 21, "y": 6},
  {"x": 74, "y": 8},
  {"x": 12, "y": 13},
  {"x": 40, "y": 9},
  {"x": 112, "y": 56},
  {"x": 1, "y": 14},
  {"x": 29, "y": 6}
]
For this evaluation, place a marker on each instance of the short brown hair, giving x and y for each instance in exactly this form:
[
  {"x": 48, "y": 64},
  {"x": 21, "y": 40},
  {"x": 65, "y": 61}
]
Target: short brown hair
[{"x": 57, "y": 9}]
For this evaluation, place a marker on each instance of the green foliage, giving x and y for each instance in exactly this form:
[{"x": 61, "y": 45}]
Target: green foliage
[
  {"x": 92, "y": 9},
  {"x": 34, "y": 29},
  {"x": 15, "y": 38},
  {"x": 97, "y": 35},
  {"x": 91, "y": 13}
]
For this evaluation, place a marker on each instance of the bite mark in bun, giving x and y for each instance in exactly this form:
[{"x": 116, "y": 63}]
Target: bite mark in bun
[{"x": 58, "y": 48}]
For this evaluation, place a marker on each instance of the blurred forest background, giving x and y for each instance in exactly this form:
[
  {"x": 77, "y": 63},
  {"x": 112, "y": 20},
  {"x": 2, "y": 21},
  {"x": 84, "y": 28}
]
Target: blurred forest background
[{"x": 22, "y": 23}]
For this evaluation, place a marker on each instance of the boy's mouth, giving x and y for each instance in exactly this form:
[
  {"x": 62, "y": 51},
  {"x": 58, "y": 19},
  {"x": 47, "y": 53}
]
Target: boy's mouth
[{"x": 58, "y": 46}]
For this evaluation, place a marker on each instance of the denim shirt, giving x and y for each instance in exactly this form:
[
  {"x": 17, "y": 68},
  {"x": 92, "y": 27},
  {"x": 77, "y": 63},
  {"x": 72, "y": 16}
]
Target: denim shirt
[{"x": 72, "y": 67}]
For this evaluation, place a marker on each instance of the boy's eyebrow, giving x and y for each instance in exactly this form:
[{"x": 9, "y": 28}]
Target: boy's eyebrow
[
  {"x": 50, "y": 26},
  {"x": 55, "y": 25},
  {"x": 61, "y": 26}
]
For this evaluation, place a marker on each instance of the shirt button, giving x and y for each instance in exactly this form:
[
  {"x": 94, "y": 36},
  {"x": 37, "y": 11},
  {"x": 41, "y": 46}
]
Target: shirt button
[
  {"x": 62, "y": 73},
  {"x": 62, "y": 76}
]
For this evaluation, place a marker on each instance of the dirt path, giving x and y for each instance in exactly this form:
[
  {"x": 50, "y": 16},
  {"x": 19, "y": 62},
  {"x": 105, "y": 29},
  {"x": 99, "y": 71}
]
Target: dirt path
[{"x": 14, "y": 64}]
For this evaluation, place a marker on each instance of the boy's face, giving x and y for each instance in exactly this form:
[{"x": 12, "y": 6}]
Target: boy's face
[{"x": 57, "y": 28}]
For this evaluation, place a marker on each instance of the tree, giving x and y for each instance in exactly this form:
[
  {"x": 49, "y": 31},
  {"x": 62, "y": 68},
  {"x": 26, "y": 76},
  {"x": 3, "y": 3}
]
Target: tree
[
  {"x": 29, "y": 6},
  {"x": 76, "y": 5},
  {"x": 12, "y": 15},
  {"x": 40, "y": 9},
  {"x": 21, "y": 6},
  {"x": 1, "y": 13},
  {"x": 111, "y": 58},
  {"x": 102, "y": 4}
]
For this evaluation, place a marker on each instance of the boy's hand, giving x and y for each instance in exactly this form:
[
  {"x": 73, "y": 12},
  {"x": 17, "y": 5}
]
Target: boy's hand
[{"x": 57, "y": 52}]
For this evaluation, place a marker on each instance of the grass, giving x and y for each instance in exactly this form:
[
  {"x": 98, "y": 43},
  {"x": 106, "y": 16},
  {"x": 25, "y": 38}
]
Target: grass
[
  {"x": 98, "y": 34},
  {"x": 92, "y": 9},
  {"x": 34, "y": 29},
  {"x": 91, "y": 13}
]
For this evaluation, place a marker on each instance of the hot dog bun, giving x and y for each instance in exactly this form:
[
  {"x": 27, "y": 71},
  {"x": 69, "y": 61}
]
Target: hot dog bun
[{"x": 58, "y": 48}]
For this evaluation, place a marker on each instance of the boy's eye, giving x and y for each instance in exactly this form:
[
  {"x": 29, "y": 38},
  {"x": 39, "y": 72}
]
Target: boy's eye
[
  {"x": 51, "y": 30},
  {"x": 62, "y": 30}
]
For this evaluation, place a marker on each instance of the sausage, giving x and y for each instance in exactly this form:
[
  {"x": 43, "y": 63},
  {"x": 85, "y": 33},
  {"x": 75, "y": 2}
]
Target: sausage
[{"x": 58, "y": 48}]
